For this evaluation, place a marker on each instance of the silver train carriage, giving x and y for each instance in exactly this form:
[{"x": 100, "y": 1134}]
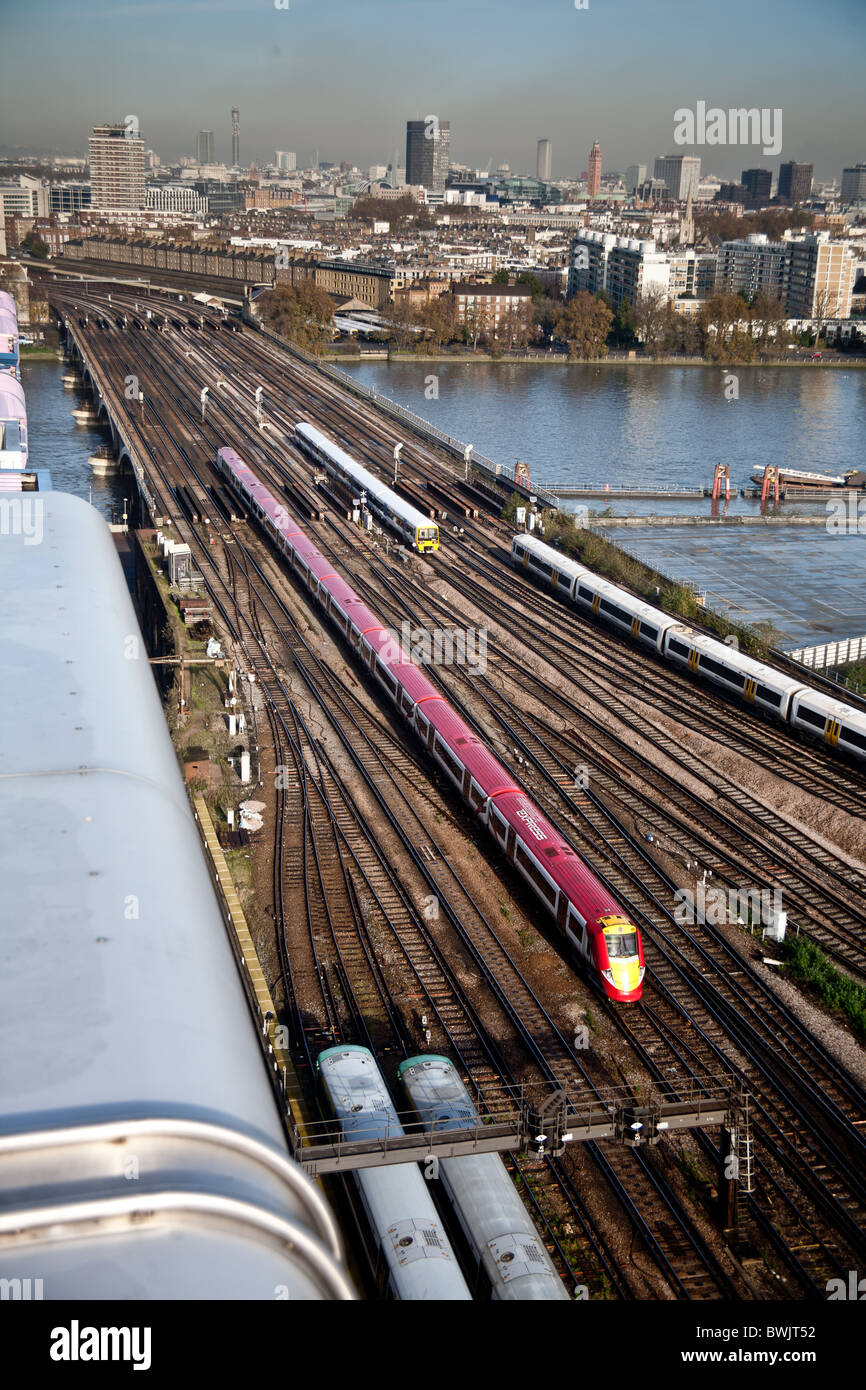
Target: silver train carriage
[
  {"x": 417, "y": 1261},
  {"x": 416, "y": 529},
  {"x": 511, "y": 1257}
]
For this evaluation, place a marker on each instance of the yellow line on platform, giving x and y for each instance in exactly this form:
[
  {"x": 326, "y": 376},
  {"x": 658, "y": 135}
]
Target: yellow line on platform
[{"x": 245, "y": 951}]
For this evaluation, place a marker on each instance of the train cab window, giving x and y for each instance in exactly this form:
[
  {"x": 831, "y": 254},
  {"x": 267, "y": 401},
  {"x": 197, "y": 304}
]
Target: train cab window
[{"x": 621, "y": 944}]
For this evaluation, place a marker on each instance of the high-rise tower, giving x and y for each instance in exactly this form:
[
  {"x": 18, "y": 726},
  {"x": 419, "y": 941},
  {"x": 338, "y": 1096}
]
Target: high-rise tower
[
  {"x": 204, "y": 147},
  {"x": 117, "y": 166},
  {"x": 428, "y": 145},
  {"x": 544, "y": 160},
  {"x": 593, "y": 187},
  {"x": 236, "y": 137}
]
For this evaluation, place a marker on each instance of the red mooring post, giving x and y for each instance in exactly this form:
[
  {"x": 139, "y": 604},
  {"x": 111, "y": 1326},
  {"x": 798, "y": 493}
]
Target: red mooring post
[{"x": 722, "y": 471}]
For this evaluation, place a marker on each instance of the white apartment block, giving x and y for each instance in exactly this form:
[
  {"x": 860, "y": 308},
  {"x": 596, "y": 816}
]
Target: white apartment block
[
  {"x": 116, "y": 168},
  {"x": 820, "y": 278}
]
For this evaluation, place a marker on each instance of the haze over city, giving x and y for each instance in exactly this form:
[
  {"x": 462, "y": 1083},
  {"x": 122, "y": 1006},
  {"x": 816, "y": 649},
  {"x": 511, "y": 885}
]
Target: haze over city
[{"x": 342, "y": 78}]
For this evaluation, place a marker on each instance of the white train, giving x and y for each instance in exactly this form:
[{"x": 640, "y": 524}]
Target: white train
[
  {"x": 416, "y": 1258},
  {"x": 753, "y": 681},
  {"x": 510, "y": 1257},
  {"x": 416, "y": 529},
  {"x": 142, "y": 1150}
]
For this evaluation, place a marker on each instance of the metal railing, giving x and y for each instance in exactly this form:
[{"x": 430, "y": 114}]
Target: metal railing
[{"x": 830, "y": 654}]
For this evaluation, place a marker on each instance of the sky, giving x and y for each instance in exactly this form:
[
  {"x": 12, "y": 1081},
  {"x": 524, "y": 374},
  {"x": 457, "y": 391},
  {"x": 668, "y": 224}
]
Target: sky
[{"x": 343, "y": 76}]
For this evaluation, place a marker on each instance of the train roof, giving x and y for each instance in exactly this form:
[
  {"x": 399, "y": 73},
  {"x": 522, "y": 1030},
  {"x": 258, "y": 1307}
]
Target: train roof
[
  {"x": 561, "y": 862},
  {"x": 472, "y": 751},
  {"x": 564, "y": 563},
  {"x": 735, "y": 659},
  {"x": 420, "y": 1059},
  {"x": 13, "y": 391},
  {"x": 108, "y": 901},
  {"x": 832, "y": 708},
  {"x": 113, "y": 941},
  {"x": 363, "y": 477}
]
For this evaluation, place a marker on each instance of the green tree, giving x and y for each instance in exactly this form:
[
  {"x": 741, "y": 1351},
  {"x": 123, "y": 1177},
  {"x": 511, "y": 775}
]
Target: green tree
[
  {"x": 33, "y": 243},
  {"x": 302, "y": 313},
  {"x": 584, "y": 323}
]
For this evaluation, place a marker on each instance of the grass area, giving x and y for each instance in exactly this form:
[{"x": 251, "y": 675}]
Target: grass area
[
  {"x": 241, "y": 869},
  {"x": 855, "y": 675},
  {"x": 807, "y": 963}
]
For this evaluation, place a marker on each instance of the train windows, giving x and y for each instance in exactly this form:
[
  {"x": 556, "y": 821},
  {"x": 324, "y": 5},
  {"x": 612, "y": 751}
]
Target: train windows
[
  {"x": 448, "y": 758},
  {"x": 851, "y": 736},
  {"x": 614, "y": 611},
  {"x": 770, "y": 697},
  {"x": 564, "y": 581},
  {"x": 621, "y": 944},
  {"x": 679, "y": 648},
  {"x": 542, "y": 567},
  {"x": 724, "y": 672},
  {"x": 585, "y": 593},
  {"x": 523, "y": 861},
  {"x": 809, "y": 716},
  {"x": 651, "y": 632}
]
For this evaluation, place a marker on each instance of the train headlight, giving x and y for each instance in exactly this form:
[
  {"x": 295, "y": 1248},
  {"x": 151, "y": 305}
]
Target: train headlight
[
  {"x": 640, "y": 974},
  {"x": 608, "y": 975}
]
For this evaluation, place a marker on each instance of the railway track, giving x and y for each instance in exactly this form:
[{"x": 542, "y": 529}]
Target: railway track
[{"x": 691, "y": 1279}]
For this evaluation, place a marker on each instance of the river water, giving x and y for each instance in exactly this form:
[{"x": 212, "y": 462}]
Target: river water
[
  {"x": 622, "y": 423},
  {"x": 667, "y": 426},
  {"x": 60, "y": 445},
  {"x": 582, "y": 424}
]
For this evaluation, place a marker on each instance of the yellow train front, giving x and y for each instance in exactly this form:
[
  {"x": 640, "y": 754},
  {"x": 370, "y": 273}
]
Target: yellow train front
[{"x": 427, "y": 536}]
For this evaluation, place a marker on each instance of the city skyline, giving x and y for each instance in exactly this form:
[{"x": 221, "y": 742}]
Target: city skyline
[{"x": 185, "y": 63}]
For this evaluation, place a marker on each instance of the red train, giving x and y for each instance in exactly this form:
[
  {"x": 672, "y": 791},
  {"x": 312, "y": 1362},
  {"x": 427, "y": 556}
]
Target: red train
[{"x": 583, "y": 909}]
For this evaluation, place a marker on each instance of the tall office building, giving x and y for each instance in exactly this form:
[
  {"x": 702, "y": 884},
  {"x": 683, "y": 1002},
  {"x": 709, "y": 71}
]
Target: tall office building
[
  {"x": 204, "y": 147},
  {"x": 633, "y": 177},
  {"x": 286, "y": 161},
  {"x": 236, "y": 137},
  {"x": 757, "y": 183},
  {"x": 544, "y": 160},
  {"x": 593, "y": 184},
  {"x": 116, "y": 167},
  {"x": 795, "y": 182},
  {"x": 680, "y": 172},
  {"x": 853, "y": 183},
  {"x": 428, "y": 151}
]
